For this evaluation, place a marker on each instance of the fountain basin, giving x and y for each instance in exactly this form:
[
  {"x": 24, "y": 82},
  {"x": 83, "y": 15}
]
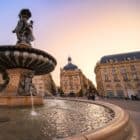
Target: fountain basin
[
  {"x": 55, "y": 120},
  {"x": 67, "y": 120},
  {"x": 40, "y": 62},
  {"x": 13, "y": 101}
]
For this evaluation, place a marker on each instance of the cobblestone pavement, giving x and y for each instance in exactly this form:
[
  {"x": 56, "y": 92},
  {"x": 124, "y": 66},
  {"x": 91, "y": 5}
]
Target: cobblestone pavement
[{"x": 133, "y": 108}]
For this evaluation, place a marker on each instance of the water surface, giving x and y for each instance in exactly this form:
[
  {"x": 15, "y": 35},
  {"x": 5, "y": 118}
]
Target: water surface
[{"x": 57, "y": 119}]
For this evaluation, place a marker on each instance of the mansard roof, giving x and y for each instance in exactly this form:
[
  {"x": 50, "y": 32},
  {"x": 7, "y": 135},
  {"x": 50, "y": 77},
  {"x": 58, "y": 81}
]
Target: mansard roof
[{"x": 121, "y": 57}]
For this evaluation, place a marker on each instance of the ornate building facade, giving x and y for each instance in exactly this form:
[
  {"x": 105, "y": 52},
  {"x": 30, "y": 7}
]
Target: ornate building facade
[
  {"x": 73, "y": 81},
  {"x": 119, "y": 75},
  {"x": 44, "y": 85}
]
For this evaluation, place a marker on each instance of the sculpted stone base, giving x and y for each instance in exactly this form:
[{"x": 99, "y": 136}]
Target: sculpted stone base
[
  {"x": 23, "y": 45},
  {"x": 15, "y": 77},
  {"x": 14, "y": 101},
  {"x": 11, "y": 97}
]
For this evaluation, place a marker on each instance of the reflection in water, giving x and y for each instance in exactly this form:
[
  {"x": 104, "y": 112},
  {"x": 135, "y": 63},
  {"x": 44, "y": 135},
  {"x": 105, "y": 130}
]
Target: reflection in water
[{"x": 56, "y": 120}]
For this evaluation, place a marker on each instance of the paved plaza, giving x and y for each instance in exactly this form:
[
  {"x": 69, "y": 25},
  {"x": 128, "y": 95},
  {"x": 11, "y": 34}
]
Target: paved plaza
[{"x": 132, "y": 107}]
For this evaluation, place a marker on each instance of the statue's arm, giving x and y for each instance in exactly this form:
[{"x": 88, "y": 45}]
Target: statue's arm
[{"x": 18, "y": 27}]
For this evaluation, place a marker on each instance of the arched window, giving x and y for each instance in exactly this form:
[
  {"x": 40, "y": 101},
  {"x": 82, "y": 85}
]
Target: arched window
[
  {"x": 118, "y": 86},
  {"x": 128, "y": 86},
  {"x": 132, "y": 67},
  {"x": 138, "y": 85},
  {"x": 108, "y": 86}
]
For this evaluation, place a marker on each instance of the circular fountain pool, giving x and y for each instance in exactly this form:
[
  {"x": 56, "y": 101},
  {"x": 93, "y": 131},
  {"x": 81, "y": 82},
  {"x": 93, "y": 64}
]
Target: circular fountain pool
[{"x": 57, "y": 119}]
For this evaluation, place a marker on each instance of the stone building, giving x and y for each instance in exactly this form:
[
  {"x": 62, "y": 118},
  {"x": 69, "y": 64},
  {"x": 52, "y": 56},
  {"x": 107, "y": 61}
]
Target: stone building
[
  {"x": 119, "y": 75},
  {"x": 73, "y": 81},
  {"x": 44, "y": 84}
]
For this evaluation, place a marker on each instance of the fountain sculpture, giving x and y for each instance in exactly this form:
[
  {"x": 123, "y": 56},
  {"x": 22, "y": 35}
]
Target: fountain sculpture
[{"x": 19, "y": 63}]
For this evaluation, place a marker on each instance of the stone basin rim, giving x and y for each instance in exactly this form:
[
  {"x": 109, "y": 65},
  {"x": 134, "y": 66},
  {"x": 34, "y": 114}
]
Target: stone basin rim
[
  {"x": 20, "y": 101},
  {"x": 119, "y": 128},
  {"x": 30, "y": 50}
]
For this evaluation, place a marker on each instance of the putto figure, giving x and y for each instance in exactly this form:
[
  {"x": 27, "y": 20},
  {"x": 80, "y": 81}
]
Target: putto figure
[{"x": 24, "y": 28}]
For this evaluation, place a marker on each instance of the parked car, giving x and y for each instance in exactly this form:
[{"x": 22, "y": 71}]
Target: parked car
[
  {"x": 71, "y": 94},
  {"x": 91, "y": 97}
]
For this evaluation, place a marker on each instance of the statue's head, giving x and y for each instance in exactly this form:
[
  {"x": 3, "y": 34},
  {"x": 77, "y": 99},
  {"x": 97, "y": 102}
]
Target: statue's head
[{"x": 25, "y": 13}]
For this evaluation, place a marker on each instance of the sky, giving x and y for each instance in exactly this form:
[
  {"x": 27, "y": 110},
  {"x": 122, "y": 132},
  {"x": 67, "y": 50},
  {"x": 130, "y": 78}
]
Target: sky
[{"x": 86, "y": 30}]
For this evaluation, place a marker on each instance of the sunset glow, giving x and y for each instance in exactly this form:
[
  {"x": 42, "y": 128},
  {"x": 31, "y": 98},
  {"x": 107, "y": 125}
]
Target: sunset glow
[{"x": 86, "y": 30}]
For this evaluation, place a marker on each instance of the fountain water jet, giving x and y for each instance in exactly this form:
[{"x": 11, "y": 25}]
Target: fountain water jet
[{"x": 33, "y": 112}]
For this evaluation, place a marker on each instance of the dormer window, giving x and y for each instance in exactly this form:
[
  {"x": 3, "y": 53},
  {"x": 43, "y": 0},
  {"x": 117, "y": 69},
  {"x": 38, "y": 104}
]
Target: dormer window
[
  {"x": 128, "y": 58},
  {"x": 134, "y": 58},
  {"x": 106, "y": 61},
  {"x": 116, "y": 60}
]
